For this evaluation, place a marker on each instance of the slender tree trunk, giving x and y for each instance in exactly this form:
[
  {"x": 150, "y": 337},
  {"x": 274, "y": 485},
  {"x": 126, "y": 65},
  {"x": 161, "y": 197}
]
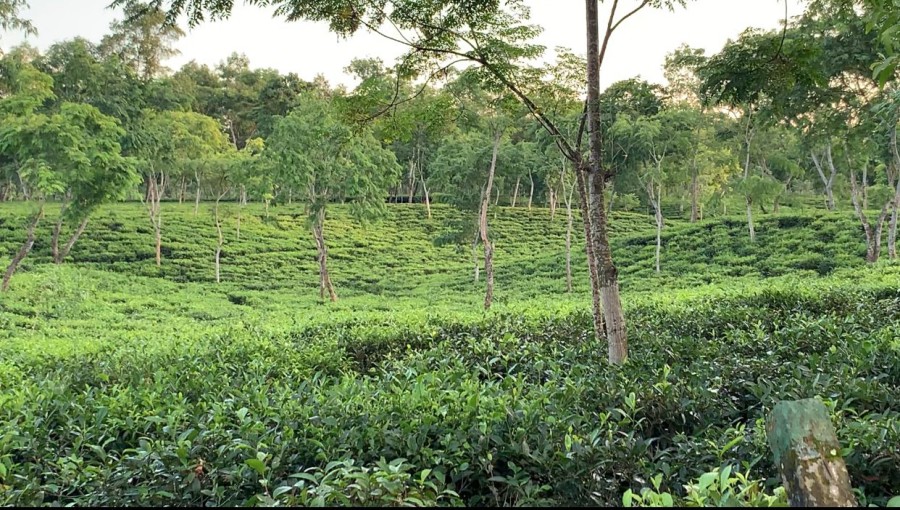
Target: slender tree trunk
[
  {"x": 483, "y": 224},
  {"x": 427, "y": 198},
  {"x": 695, "y": 195},
  {"x": 412, "y": 179},
  {"x": 73, "y": 239},
  {"x": 182, "y": 190},
  {"x": 873, "y": 234},
  {"x": 220, "y": 238},
  {"x": 475, "y": 257},
  {"x": 569, "y": 222},
  {"x": 895, "y": 178},
  {"x": 197, "y": 197},
  {"x": 552, "y": 202},
  {"x": 240, "y": 210},
  {"x": 57, "y": 228},
  {"x": 23, "y": 251},
  {"x": 516, "y": 192},
  {"x": 155, "y": 185},
  {"x": 609, "y": 280},
  {"x": 531, "y": 191},
  {"x": 497, "y": 201},
  {"x": 243, "y": 195},
  {"x": 325, "y": 284},
  {"x": 656, "y": 201},
  {"x": 865, "y": 187},
  {"x": 593, "y": 270},
  {"x": 827, "y": 181},
  {"x": 748, "y": 136}
]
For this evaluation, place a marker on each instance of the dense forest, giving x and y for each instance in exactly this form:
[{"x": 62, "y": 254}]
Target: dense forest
[{"x": 549, "y": 293}]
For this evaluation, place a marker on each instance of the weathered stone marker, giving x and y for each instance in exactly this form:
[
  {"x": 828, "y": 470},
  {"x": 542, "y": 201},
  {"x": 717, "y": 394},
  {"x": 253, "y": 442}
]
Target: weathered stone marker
[{"x": 808, "y": 455}]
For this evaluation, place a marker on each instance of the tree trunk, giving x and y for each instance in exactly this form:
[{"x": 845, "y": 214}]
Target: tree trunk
[
  {"x": 873, "y": 234},
  {"x": 828, "y": 181},
  {"x": 895, "y": 176},
  {"x": 483, "y": 224},
  {"x": 531, "y": 192},
  {"x": 569, "y": 221},
  {"x": 427, "y": 198},
  {"x": 516, "y": 192},
  {"x": 325, "y": 284},
  {"x": 220, "y": 240},
  {"x": 182, "y": 190},
  {"x": 243, "y": 195},
  {"x": 60, "y": 256},
  {"x": 497, "y": 201},
  {"x": 695, "y": 197},
  {"x": 593, "y": 270},
  {"x": 57, "y": 228},
  {"x": 23, "y": 251},
  {"x": 609, "y": 280},
  {"x": 748, "y": 136},
  {"x": 197, "y": 197},
  {"x": 239, "y": 222},
  {"x": 656, "y": 200},
  {"x": 552, "y": 202},
  {"x": 412, "y": 179},
  {"x": 156, "y": 183}
]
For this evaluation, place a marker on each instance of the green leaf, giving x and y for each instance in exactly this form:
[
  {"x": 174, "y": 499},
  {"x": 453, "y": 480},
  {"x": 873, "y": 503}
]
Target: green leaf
[
  {"x": 257, "y": 466},
  {"x": 894, "y": 502}
]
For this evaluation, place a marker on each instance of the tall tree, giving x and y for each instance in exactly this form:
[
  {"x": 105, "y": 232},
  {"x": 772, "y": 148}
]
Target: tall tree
[
  {"x": 314, "y": 150},
  {"x": 142, "y": 39},
  {"x": 493, "y": 36}
]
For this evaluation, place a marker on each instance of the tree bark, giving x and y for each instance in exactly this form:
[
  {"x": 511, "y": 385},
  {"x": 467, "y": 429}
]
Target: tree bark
[
  {"x": 155, "y": 185},
  {"x": 593, "y": 270},
  {"x": 569, "y": 221},
  {"x": 57, "y": 228},
  {"x": 531, "y": 192},
  {"x": 895, "y": 177},
  {"x": 828, "y": 181},
  {"x": 873, "y": 234},
  {"x": 655, "y": 200},
  {"x": 325, "y": 284},
  {"x": 182, "y": 190},
  {"x": 197, "y": 198},
  {"x": 412, "y": 179},
  {"x": 609, "y": 281},
  {"x": 748, "y": 136},
  {"x": 483, "y": 224},
  {"x": 427, "y": 198},
  {"x": 23, "y": 251},
  {"x": 60, "y": 256},
  {"x": 220, "y": 238},
  {"x": 695, "y": 196},
  {"x": 516, "y": 192}
]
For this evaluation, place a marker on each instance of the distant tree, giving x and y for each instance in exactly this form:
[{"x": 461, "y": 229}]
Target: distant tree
[
  {"x": 142, "y": 39},
  {"x": 313, "y": 150},
  {"x": 11, "y": 18},
  {"x": 73, "y": 153}
]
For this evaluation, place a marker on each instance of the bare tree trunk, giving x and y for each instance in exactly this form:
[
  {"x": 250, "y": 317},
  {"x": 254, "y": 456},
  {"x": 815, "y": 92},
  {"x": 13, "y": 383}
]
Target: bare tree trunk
[
  {"x": 593, "y": 270},
  {"x": 865, "y": 187},
  {"x": 23, "y": 251},
  {"x": 243, "y": 195},
  {"x": 240, "y": 210},
  {"x": 182, "y": 189},
  {"x": 873, "y": 234},
  {"x": 656, "y": 200},
  {"x": 73, "y": 239},
  {"x": 483, "y": 224},
  {"x": 828, "y": 181},
  {"x": 895, "y": 178},
  {"x": 569, "y": 221},
  {"x": 156, "y": 183},
  {"x": 427, "y": 198},
  {"x": 325, "y": 284},
  {"x": 609, "y": 279},
  {"x": 531, "y": 192},
  {"x": 516, "y": 192},
  {"x": 475, "y": 257},
  {"x": 552, "y": 202},
  {"x": 695, "y": 196},
  {"x": 197, "y": 195},
  {"x": 220, "y": 239},
  {"x": 57, "y": 228},
  {"x": 748, "y": 136},
  {"x": 412, "y": 179},
  {"x": 497, "y": 201}
]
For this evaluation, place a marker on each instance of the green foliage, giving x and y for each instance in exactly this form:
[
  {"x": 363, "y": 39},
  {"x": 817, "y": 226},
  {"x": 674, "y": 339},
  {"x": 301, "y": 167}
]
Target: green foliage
[{"x": 173, "y": 391}]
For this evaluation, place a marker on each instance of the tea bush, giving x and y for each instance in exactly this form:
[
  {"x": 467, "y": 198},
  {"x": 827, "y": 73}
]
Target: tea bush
[{"x": 122, "y": 384}]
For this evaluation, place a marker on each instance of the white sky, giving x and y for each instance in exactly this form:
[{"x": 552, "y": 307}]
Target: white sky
[{"x": 638, "y": 48}]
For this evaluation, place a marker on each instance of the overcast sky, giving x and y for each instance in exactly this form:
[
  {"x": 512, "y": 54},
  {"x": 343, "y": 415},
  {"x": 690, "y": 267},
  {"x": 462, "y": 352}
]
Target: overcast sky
[{"x": 637, "y": 49}]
